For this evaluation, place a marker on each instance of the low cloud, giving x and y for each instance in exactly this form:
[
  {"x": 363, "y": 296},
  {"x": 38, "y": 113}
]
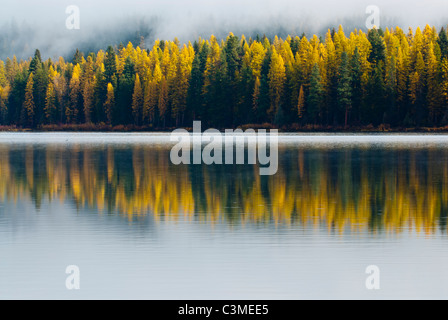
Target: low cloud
[{"x": 28, "y": 25}]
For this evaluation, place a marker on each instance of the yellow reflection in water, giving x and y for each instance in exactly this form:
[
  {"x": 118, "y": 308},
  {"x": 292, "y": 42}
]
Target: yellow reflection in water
[{"x": 348, "y": 190}]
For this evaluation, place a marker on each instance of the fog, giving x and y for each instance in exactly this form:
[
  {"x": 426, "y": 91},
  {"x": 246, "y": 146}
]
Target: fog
[{"x": 28, "y": 24}]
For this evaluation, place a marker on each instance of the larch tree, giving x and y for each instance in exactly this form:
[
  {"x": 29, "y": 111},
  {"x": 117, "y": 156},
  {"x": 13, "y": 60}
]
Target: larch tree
[
  {"x": 12, "y": 68},
  {"x": 402, "y": 83},
  {"x": 50, "y": 98},
  {"x": 211, "y": 68},
  {"x": 4, "y": 95},
  {"x": 277, "y": 78},
  {"x": 163, "y": 100},
  {"x": 137, "y": 101},
  {"x": 433, "y": 85},
  {"x": 28, "y": 104},
  {"x": 415, "y": 92},
  {"x": 417, "y": 46},
  {"x": 50, "y": 104},
  {"x": 214, "y": 75},
  {"x": 3, "y": 79},
  {"x": 301, "y": 103},
  {"x": 109, "y": 104},
  {"x": 256, "y": 94},
  {"x": 150, "y": 101},
  {"x": 257, "y": 53},
  {"x": 304, "y": 60},
  {"x": 60, "y": 88},
  {"x": 72, "y": 108},
  {"x": 88, "y": 80},
  {"x": 4, "y": 92},
  {"x": 180, "y": 86},
  {"x": 444, "y": 88}
]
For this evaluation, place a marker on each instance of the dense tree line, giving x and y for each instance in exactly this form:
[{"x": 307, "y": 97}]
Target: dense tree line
[{"x": 380, "y": 77}]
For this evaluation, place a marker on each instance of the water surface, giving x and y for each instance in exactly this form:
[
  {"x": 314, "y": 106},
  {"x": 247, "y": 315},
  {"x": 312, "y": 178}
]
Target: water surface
[{"x": 140, "y": 227}]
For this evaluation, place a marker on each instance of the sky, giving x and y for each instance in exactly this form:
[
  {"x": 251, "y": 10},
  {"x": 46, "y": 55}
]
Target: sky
[{"x": 28, "y": 24}]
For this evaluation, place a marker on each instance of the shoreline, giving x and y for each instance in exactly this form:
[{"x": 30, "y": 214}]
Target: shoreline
[{"x": 290, "y": 129}]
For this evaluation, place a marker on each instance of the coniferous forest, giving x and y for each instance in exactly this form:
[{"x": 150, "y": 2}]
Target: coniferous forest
[{"x": 380, "y": 78}]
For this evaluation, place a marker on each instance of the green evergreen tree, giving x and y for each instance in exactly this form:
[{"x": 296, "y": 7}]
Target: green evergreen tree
[
  {"x": 315, "y": 96},
  {"x": 443, "y": 43},
  {"x": 123, "y": 95},
  {"x": 375, "y": 104},
  {"x": 36, "y": 62},
  {"x": 233, "y": 66},
  {"x": 378, "y": 52},
  {"x": 110, "y": 64},
  {"x": 391, "y": 113},
  {"x": 344, "y": 87},
  {"x": 195, "y": 101},
  {"x": 357, "y": 89}
]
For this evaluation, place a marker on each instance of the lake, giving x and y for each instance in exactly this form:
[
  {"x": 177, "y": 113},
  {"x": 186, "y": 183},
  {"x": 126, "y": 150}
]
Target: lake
[{"x": 139, "y": 227}]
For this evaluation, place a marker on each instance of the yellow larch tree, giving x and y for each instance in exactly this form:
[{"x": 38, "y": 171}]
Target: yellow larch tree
[
  {"x": 301, "y": 103},
  {"x": 277, "y": 78},
  {"x": 163, "y": 100},
  {"x": 137, "y": 101},
  {"x": 50, "y": 97},
  {"x": 180, "y": 86},
  {"x": 256, "y": 94},
  {"x": 109, "y": 103},
  {"x": 256, "y": 57},
  {"x": 28, "y": 105},
  {"x": 88, "y": 80},
  {"x": 71, "y": 110},
  {"x": 4, "y": 95}
]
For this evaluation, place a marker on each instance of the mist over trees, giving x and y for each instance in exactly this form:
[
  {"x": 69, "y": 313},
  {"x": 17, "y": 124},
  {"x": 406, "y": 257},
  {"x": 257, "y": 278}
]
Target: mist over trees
[
  {"x": 391, "y": 77},
  {"x": 53, "y": 39}
]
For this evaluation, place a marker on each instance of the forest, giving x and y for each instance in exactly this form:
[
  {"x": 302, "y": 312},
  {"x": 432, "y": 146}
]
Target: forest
[{"x": 386, "y": 79}]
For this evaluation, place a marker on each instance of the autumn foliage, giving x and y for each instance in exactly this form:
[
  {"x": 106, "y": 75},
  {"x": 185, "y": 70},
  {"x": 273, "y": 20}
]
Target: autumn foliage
[{"x": 376, "y": 78}]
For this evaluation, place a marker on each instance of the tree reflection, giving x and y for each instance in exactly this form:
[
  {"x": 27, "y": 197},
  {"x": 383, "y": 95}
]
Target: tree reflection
[{"x": 342, "y": 190}]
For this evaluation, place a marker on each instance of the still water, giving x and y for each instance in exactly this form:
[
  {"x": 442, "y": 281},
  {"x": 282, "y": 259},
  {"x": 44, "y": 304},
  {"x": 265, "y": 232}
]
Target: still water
[{"x": 139, "y": 227}]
